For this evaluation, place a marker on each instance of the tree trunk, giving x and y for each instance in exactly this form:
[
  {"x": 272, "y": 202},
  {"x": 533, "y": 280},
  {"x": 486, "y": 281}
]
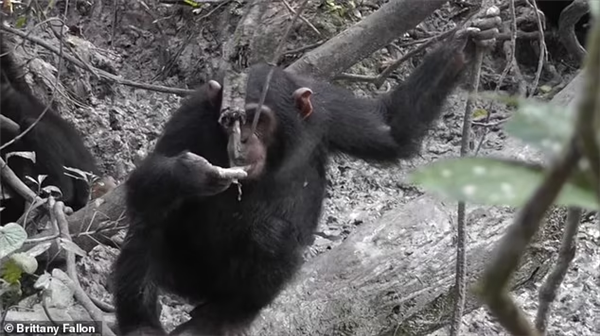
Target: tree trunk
[
  {"x": 364, "y": 38},
  {"x": 392, "y": 277}
]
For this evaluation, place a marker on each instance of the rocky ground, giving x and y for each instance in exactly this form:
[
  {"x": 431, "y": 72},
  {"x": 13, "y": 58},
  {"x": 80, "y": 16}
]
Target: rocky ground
[{"x": 120, "y": 125}]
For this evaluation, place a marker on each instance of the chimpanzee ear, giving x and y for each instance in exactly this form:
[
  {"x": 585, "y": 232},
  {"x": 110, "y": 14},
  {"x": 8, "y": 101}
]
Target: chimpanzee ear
[
  {"x": 215, "y": 92},
  {"x": 302, "y": 101}
]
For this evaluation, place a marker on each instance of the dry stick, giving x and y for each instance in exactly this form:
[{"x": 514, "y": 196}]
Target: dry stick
[
  {"x": 566, "y": 254},
  {"x": 13, "y": 180},
  {"x": 379, "y": 80},
  {"x": 509, "y": 64},
  {"x": 276, "y": 55},
  {"x": 82, "y": 297},
  {"x": 101, "y": 73},
  {"x": 543, "y": 50},
  {"x": 461, "y": 257},
  {"x": 493, "y": 285},
  {"x": 289, "y": 8}
]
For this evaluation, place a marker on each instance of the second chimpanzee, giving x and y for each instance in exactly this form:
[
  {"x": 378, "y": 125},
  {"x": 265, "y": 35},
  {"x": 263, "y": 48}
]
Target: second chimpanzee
[
  {"x": 56, "y": 142},
  {"x": 190, "y": 233}
]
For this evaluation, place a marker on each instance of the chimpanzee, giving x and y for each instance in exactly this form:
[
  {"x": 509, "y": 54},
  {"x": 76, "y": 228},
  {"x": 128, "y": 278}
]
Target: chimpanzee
[
  {"x": 190, "y": 232},
  {"x": 55, "y": 141}
]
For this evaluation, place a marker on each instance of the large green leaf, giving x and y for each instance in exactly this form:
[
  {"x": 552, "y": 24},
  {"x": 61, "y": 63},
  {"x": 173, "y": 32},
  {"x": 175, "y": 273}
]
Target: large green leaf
[
  {"x": 492, "y": 181},
  {"x": 12, "y": 237},
  {"x": 544, "y": 125}
]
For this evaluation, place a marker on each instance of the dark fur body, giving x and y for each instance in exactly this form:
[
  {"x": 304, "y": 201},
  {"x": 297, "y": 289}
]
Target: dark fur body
[
  {"x": 55, "y": 142},
  {"x": 246, "y": 251}
]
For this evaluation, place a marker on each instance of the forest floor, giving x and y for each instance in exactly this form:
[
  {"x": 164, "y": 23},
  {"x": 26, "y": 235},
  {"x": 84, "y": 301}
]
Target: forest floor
[{"x": 121, "y": 124}]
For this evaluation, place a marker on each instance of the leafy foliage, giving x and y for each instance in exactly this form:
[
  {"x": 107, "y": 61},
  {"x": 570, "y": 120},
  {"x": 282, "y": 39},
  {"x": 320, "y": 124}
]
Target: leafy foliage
[
  {"x": 503, "y": 182},
  {"x": 12, "y": 237}
]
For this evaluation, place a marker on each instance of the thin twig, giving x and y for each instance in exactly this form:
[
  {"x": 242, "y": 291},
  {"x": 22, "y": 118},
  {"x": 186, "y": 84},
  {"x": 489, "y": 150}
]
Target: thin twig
[
  {"x": 543, "y": 50},
  {"x": 511, "y": 248},
  {"x": 105, "y": 75},
  {"x": 461, "y": 237},
  {"x": 509, "y": 63},
  {"x": 566, "y": 254},
  {"x": 276, "y": 56},
  {"x": 287, "y": 5}
]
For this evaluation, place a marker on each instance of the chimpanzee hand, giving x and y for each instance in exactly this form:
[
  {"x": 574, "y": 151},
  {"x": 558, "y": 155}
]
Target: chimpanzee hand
[
  {"x": 211, "y": 179},
  {"x": 482, "y": 31}
]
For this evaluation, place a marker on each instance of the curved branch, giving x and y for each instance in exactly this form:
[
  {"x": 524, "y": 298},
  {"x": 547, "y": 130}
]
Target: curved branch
[{"x": 566, "y": 28}]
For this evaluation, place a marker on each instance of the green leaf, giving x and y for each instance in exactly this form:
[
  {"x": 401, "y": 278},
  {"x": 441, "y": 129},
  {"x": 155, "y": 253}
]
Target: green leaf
[
  {"x": 11, "y": 272},
  {"x": 545, "y": 88},
  {"x": 12, "y": 237},
  {"x": 25, "y": 262},
  {"x": 21, "y": 21},
  {"x": 490, "y": 181},
  {"x": 480, "y": 113},
  {"x": 546, "y": 126}
]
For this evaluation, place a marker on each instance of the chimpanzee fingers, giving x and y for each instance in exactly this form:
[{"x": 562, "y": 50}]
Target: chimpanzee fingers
[
  {"x": 461, "y": 37},
  {"x": 236, "y": 173},
  {"x": 487, "y": 23},
  {"x": 484, "y": 35},
  {"x": 485, "y": 43}
]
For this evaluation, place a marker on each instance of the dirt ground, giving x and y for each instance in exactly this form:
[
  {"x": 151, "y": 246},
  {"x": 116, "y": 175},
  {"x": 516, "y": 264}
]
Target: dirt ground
[{"x": 121, "y": 124}]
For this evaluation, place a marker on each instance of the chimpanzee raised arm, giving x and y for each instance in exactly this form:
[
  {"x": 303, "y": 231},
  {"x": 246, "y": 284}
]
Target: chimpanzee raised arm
[{"x": 392, "y": 126}]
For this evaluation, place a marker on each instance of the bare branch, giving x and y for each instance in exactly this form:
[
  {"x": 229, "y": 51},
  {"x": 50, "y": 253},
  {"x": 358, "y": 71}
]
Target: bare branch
[
  {"x": 512, "y": 246},
  {"x": 103, "y": 74},
  {"x": 566, "y": 254},
  {"x": 58, "y": 214},
  {"x": 367, "y": 36},
  {"x": 566, "y": 27},
  {"x": 543, "y": 50},
  {"x": 461, "y": 237}
]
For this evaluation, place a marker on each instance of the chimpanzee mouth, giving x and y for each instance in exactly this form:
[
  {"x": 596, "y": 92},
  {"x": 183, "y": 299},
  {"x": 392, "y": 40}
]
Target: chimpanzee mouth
[{"x": 253, "y": 169}]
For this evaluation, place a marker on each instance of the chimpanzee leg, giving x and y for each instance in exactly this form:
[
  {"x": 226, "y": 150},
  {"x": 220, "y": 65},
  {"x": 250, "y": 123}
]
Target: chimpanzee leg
[
  {"x": 209, "y": 320},
  {"x": 136, "y": 296}
]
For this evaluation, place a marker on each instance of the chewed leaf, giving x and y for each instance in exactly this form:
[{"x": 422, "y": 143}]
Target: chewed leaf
[
  {"x": 491, "y": 181},
  {"x": 544, "y": 125},
  {"x": 12, "y": 237}
]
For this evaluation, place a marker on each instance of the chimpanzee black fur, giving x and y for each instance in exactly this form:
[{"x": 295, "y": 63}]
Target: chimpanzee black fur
[
  {"x": 232, "y": 257},
  {"x": 55, "y": 142}
]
